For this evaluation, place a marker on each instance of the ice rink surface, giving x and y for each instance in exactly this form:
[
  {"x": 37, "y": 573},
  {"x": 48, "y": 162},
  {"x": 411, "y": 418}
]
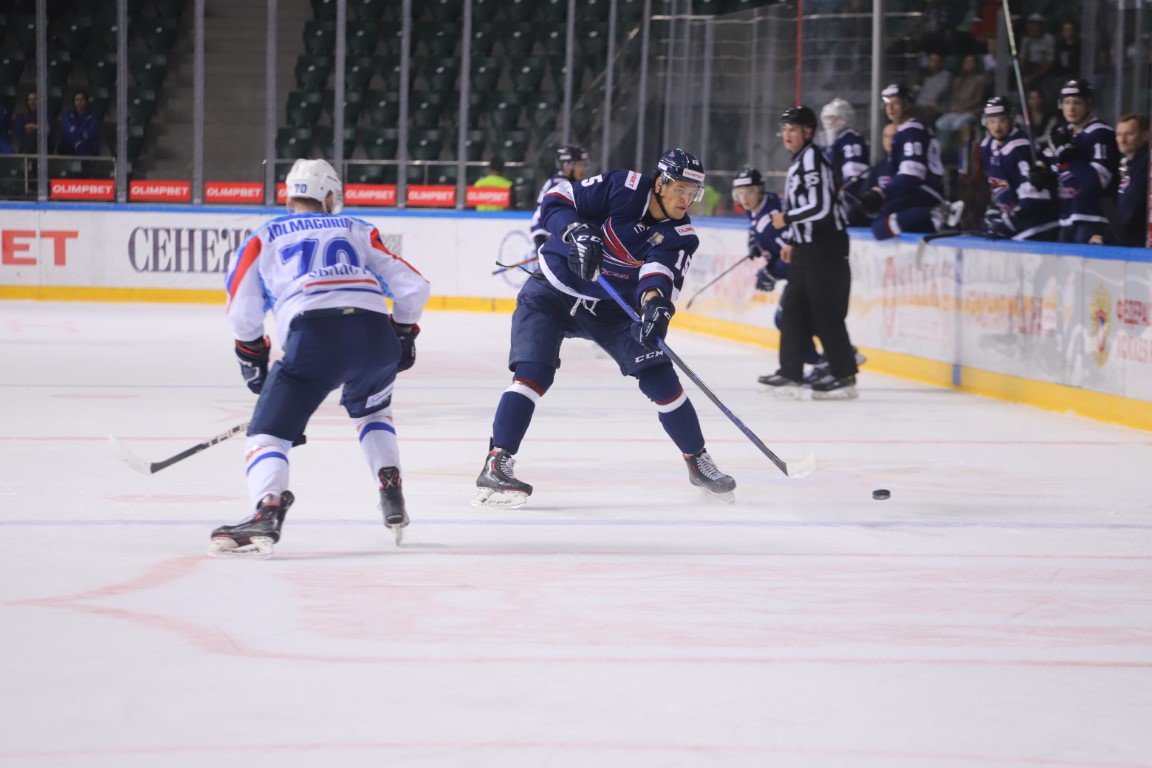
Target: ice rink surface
[{"x": 997, "y": 611}]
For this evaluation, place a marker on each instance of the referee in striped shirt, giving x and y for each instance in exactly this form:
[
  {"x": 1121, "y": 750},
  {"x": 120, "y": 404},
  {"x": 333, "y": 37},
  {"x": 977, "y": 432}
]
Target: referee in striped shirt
[{"x": 819, "y": 275}]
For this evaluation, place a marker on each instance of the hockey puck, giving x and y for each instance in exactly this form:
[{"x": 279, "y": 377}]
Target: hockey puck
[{"x": 880, "y": 494}]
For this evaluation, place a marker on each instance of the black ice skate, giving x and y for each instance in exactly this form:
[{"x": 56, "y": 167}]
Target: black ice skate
[
  {"x": 781, "y": 386},
  {"x": 831, "y": 388},
  {"x": 704, "y": 474},
  {"x": 497, "y": 485},
  {"x": 392, "y": 502},
  {"x": 255, "y": 536}
]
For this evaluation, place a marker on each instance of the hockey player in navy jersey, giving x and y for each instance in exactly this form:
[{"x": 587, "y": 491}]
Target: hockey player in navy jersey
[
  {"x": 633, "y": 230},
  {"x": 914, "y": 200},
  {"x": 571, "y": 163},
  {"x": 1018, "y": 210},
  {"x": 1082, "y": 166},
  {"x": 324, "y": 277},
  {"x": 847, "y": 151},
  {"x": 764, "y": 240}
]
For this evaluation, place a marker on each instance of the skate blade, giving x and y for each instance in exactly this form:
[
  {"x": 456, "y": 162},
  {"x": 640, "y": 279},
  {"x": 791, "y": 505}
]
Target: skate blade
[
  {"x": 847, "y": 393},
  {"x": 489, "y": 498},
  {"x": 787, "y": 393},
  {"x": 259, "y": 548},
  {"x": 398, "y": 533},
  {"x": 726, "y": 497}
]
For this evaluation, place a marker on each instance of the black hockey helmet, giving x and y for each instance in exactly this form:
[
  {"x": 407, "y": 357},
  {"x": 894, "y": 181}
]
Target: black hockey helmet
[
  {"x": 1076, "y": 87},
  {"x": 897, "y": 90},
  {"x": 678, "y": 165},
  {"x": 570, "y": 153},
  {"x": 799, "y": 115},
  {"x": 749, "y": 177}
]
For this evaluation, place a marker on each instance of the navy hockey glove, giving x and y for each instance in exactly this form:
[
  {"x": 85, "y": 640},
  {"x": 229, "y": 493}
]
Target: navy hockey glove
[
  {"x": 1042, "y": 177},
  {"x": 1063, "y": 150},
  {"x": 653, "y": 324},
  {"x": 407, "y": 336},
  {"x": 585, "y": 251},
  {"x": 765, "y": 281},
  {"x": 253, "y": 357},
  {"x": 871, "y": 202}
]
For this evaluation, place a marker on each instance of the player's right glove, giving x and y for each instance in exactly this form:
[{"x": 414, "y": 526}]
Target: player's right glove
[
  {"x": 1042, "y": 177},
  {"x": 655, "y": 316},
  {"x": 253, "y": 357},
  {"x": 765, "y": 281},
  {"x": 585, "y": 250},
  {"x": 406, "y": 334},
  {"x": 872, "y": 201},
  {"x": 1063, "y": 148}
]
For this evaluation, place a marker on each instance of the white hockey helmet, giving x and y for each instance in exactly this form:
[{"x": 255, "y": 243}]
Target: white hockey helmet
[
  {"x": 314, "y": 179},
  {"x": 837, "y": 115}
]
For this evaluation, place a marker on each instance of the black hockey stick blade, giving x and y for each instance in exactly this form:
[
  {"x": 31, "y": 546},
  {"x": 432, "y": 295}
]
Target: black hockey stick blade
[
  {"x": 149, "y": 468},
  {"x": 517, "y": 265},
  {"x": 796, "y": 469}
]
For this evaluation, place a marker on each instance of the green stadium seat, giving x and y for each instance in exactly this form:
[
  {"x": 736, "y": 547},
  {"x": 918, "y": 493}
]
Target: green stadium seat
[
  {"x": 312, "y": 72},
  {"x": 484, "y": 37},
  {"x": 382, "y": 108},
  {"x": 445, "y": 10},
  {"x": 141, "y": 106},
  {"x": 304, "y": 107},
  {"x": 168, "y": 9},
  {"x": 71, "y": 34},
  {"x": 519, "y": 11},
  {"x": 380, "y": 143},
  {"x": 593, "y": 46},
  {"x": 504, "y": 111},
  {"x": 23, "y": 28},
  {"x": 358, "y": 72},
  {"x": 101, "y": 69},
  {"x": 555, "y": 11},
  {"x": 369, "y": 10},
  {"x": 425, "y": 113},
  {"x": 518, "y": 41},
  {"x": 320, "y": 38},
  {"x": 442, "y": 174},
  {"x": 475, "y": 142},
  {"x": 322, "y": 140},
  {"x": 542, "y": 112},
  {"x": 100, "y": 98},
  {"x": 293, "y": 143},
  {"x": 136, "y": 135},
  {"x": 527, "y": 73},
  {"x": 59, "y": 67},
  {"x": 513, "y": 146},
  {"x": 486, "y": 73},
  {"x": 353, "y": 105},
  {"x": 148, "y": 69},
  {"x": 524, "y": 186},
  {"x": 360, "y": 39},
  {"x": 12, "y": 181},
  {"x": 366, "y": 173},
  {"x": 11, "y": 68},
  {"x": 426, "y": 144},
  {"x": 592, "y": 12},
  {"x": 324, "y": 10},
  {"x": 441, "y": 76},
  {"x": 159, "y": 35},
  {"x": 439, "y": 39}
]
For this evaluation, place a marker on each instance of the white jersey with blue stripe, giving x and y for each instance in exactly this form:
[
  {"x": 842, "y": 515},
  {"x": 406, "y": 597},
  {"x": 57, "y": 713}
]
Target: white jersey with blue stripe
[{"x": 307, "y": 261}]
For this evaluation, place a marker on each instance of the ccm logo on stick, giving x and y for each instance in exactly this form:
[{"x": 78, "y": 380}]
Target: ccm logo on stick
[{"x": 16, "y": 246}]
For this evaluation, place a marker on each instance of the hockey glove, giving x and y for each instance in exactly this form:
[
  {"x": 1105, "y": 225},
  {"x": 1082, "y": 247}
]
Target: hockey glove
[
  {"x": 406, "y": 334},
  {"x": 653, "y": 324},
  {"x": 765, "y": 281},
  {"x": 871, "y": 202},
  {"x": 253, "y": 357},
  {"x": 1042, "y": 177},
  {"x": 585, "y": 251},
  {"x": 1063, "y": 149}
]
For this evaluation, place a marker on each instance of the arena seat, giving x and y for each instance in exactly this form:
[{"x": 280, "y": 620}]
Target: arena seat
[{"x": 380, "y": 143}]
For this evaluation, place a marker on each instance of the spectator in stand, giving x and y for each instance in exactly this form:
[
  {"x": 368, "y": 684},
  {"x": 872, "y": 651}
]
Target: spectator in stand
[
  {"x": 1018, "y": 211},
  {"x": 495, "y": 178},
  {"x": 1068, "y": 52},
  {"x": 1083, "y": 165},
  {"x": 1042, "y": 119},
  {"x": 26, "y": 128},
  {"x": 79, "y": 128},
  {"x": 968, "y": 91},
  {"x": 1130, "y": 226},
  {"x": 1037, "y": 52},
  {"x": 5, "y": 131},
  {"x": 935, "y": 91}
]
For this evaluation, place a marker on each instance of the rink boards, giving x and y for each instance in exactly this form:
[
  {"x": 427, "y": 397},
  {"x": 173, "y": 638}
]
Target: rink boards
[{"x": 1061, "y": 327}]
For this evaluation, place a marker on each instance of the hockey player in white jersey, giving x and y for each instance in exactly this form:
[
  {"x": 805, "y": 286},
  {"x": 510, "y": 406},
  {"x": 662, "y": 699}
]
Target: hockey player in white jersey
[{"x": 324, "y": 276}]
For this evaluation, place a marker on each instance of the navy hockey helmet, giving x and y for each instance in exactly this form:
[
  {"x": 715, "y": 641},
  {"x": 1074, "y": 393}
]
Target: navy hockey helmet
[
  {"x": 570, "y": 153},
  {"x": 897, "y": 90},
  {"x": 1077, "y": 87},
  {"x": 678, "y": 165},
  {"x": 749, "y": 177},
  {"x": 799, "y": 115},
  {"x": 997, "y": 105}
]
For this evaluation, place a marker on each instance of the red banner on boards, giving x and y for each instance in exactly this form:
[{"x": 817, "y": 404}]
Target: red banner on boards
[
  {"x": 160, "y": 191},
  {"x": 234, "y": 192},
  {"x": 82, "y": 189}
]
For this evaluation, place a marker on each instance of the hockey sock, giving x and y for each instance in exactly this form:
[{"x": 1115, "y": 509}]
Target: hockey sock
[
  {"x": 266, "y": 457},
  {"x": 378, "y": 440},
  {"x": 514, "y": 413},
  {"x": 677, "y": 415}
]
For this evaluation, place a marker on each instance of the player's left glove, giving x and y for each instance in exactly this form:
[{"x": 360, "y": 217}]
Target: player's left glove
[
  {"x": 253, "y": 357},
  {"x": 655, "y": 316},
  {"x": 765, "y": 281},
  {"x": 871, "y": 202},
  {"x": 406, "y": 334},
  {"x": 585, "y": 250}
]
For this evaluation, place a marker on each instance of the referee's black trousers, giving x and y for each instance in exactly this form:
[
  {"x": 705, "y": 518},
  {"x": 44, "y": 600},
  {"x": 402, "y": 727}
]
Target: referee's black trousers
[{"x": 819, "y": 282}]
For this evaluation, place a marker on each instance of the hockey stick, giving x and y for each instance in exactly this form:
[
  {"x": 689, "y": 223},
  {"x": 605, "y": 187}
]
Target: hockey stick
[
  {"x": 1020, "y": 82},
  {"x": 519, "y": 264},
  {"x": 149, "y": 468},
  {"x": 802, "y": 468},
  {"x": 939, "y": 235},
  {"x": 716, "y": 279}
]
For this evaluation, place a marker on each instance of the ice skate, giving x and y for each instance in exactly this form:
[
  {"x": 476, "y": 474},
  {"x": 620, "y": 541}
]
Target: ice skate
[
  {"x": 497, "y": 486},
  {"x": 831, "y": 388},
  {"x": 254, "y": 537},
  {"x": 392, "y": 502},
  {"x": 704, "y": 474},
  {"x": 781, "y": 387}
]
